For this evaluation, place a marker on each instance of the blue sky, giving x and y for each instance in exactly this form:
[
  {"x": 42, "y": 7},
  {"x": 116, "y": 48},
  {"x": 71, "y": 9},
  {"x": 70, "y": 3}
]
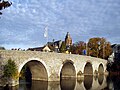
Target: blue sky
[{"x": 22, "y": 25}]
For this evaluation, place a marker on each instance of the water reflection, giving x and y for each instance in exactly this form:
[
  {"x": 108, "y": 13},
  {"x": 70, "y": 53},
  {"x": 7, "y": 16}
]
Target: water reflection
[
  {"x": 41, "y": 85},
  {"x": 9, "y": 88},
  {"x": 53, "y": 85},
  {"x": 68, "y": 84},
  {"x": 88, "y": 80},
  {"x": 113, "y": 82},
  {"x": 86, "y": 83},
  {"x": 100, "y": 79},
  {"x": 34, "y": 85}
]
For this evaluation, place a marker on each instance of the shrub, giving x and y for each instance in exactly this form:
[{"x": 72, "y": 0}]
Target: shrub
[{"x": 10, "y": 69}]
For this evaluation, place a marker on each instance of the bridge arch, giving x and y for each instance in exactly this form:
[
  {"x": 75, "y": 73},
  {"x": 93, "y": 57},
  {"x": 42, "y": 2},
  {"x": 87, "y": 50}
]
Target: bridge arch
[
  {"x": 37, "y": 69},
  {"x": 100, "y": 69},
  {"x": 88, "y": 75},
  {"x": 88, "y": 69},
  {"x": 67, "y": 69}
]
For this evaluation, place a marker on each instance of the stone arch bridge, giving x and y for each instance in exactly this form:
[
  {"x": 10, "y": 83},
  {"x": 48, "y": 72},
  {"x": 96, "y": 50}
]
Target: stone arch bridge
[{"x": 50, "y": 66}]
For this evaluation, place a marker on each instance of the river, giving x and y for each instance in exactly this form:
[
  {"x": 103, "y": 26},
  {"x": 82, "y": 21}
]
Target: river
[{"x": 89, "y": 83}]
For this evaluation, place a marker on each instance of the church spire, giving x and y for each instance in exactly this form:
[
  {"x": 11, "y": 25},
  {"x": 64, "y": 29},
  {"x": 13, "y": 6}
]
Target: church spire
[{"x": 68, "y": 39}]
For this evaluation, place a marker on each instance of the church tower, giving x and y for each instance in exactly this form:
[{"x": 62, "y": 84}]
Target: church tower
[{"x": 68, "y": 40}]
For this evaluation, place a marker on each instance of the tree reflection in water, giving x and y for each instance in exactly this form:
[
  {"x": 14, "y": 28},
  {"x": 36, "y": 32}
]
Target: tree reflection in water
[{"x": 113, "y": 82}]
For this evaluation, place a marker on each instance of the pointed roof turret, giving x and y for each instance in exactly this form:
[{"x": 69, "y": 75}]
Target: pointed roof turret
[{"x": 68, "y": 39}]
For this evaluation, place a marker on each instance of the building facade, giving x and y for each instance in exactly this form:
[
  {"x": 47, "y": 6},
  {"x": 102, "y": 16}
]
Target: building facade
[{"x": 68, "y": 39}]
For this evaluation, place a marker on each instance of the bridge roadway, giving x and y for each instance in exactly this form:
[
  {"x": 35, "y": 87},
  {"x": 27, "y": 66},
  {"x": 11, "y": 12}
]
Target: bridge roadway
[{"x": 50, "y": 66}]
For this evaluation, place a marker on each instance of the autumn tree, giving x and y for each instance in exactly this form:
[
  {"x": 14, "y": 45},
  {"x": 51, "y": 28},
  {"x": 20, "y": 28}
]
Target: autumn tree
[
  {"x": 78, "y": 47},
  {"x": 73, "y": 49},
  {"x": 4, "y": 4},
  {"x": 99, "y": 47},
  {"x": 63, "y": 47}
]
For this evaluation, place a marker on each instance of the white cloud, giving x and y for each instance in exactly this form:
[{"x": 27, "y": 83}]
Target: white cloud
[{"x": 24, "y": 21}]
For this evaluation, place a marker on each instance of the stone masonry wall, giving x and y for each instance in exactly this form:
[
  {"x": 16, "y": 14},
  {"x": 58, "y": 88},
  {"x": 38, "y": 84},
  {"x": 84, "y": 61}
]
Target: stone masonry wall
[{"x": 53, "y": 62}]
